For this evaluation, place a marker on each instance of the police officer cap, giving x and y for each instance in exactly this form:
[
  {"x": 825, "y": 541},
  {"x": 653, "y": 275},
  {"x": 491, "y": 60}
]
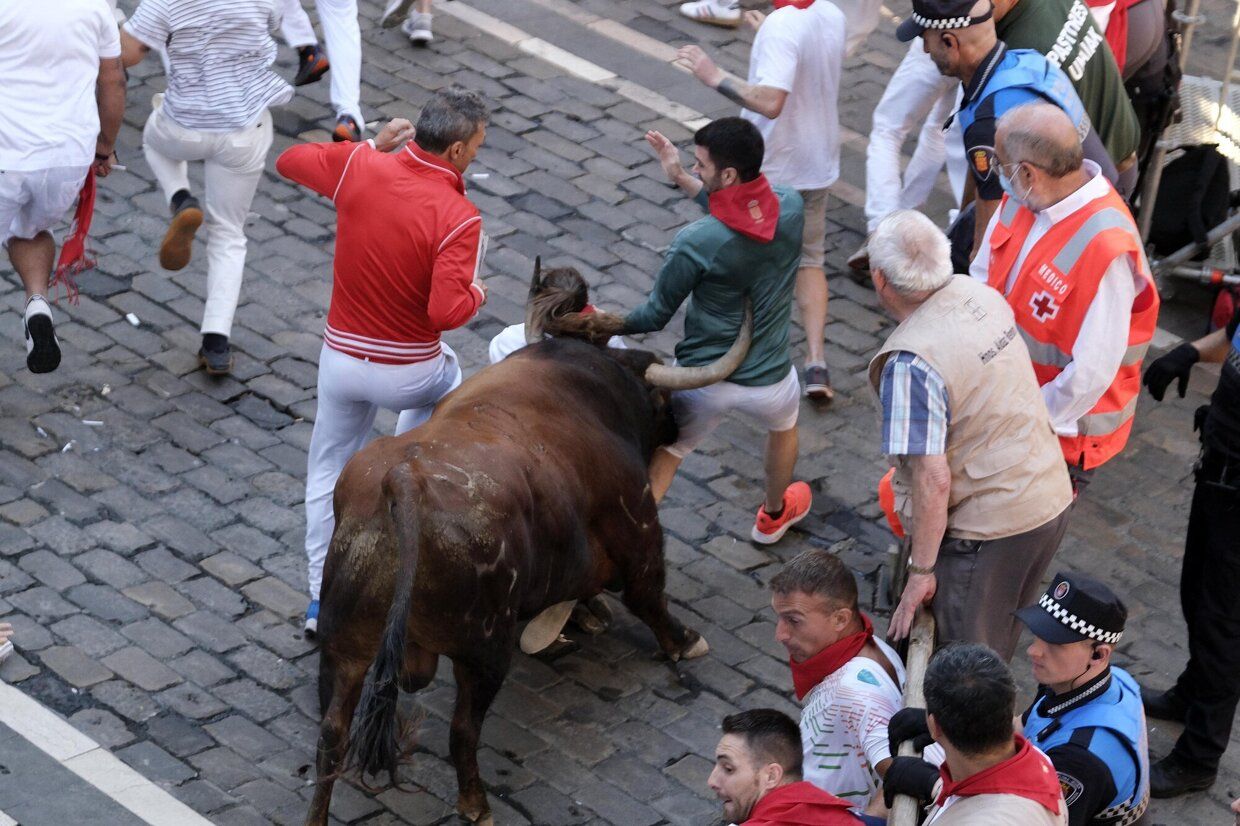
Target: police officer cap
[
  {"x": 941, "y": 15},
  {"x": 1075, "y": 608}
]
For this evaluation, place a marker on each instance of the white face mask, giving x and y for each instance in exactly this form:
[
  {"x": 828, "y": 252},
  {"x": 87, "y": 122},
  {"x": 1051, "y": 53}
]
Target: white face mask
[{"x": 1010, "y": 188}]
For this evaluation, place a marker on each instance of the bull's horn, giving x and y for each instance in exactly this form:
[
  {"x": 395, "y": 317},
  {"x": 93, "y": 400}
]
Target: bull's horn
[
  {"x": 533, "y": 325},
  {"x": 689, "y": 378}
]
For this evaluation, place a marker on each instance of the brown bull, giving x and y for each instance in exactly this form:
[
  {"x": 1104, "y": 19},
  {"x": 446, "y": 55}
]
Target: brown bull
[{"x": 526, "y": 489}]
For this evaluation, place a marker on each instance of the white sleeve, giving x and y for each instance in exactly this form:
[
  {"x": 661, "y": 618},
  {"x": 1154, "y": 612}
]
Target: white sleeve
[
  {"x": 1098, "y": 351},
  {"x": 509, "y": 340},
  {"x": 773, "y": 59},
  {"x": 109, "y": 34},
  {"x": 980, "y": 268},
  {"x": 872, "y": 724}
]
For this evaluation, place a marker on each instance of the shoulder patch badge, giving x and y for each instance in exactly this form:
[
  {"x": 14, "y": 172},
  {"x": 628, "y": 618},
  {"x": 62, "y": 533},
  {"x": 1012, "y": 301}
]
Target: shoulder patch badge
[
  {"x": 865, "y": 676},
  {"x": 980, "y": 160},
  {"x": 1071, "y": 787}
]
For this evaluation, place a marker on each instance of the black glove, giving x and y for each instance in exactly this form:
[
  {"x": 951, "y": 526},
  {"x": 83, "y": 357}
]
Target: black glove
[
  {"x": 911, "y": 776},
  {"x": 1178, "y": 364},
  {"x": 908, "y": 724}
]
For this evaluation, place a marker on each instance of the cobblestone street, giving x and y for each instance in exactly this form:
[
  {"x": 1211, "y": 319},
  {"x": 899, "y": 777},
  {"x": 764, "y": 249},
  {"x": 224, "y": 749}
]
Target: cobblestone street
[{"x": 151, "y": 519}]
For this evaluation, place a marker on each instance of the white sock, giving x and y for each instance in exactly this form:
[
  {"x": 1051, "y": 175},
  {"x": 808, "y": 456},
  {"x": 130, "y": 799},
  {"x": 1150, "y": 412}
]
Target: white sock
[
  {"x": 37, "y": 305},
  {"x": 810, "y": 364}
]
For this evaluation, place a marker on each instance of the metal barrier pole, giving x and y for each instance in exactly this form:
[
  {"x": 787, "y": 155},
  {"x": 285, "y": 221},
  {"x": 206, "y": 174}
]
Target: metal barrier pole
[{"x": 905, "y": 810}]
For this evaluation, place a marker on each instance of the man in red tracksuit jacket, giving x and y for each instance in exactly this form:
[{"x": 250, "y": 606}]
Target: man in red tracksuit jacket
[{"x": 409, "y": 246}]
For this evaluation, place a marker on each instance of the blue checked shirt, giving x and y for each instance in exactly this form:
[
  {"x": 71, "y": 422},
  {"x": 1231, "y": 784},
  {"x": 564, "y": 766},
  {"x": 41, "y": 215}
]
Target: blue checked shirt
[{"x": 915, "y": 413}]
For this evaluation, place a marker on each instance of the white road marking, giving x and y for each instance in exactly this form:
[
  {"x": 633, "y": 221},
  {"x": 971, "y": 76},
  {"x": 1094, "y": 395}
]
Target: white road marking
[
  {"x": 88, "y": 760},
  {"x": 5, "y": 820}
]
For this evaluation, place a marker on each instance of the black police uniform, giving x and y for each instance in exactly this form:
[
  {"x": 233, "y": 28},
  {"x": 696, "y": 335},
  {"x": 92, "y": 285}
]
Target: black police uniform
[{"x": 1210, "y": 581}]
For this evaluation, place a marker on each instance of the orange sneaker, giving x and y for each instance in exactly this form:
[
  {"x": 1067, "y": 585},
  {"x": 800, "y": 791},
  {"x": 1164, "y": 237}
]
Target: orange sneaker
[{"x": 797, "y": 499}]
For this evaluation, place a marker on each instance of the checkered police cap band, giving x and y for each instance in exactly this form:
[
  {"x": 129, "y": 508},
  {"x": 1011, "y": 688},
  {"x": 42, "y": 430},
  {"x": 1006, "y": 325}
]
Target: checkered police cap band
[
  {"x": 962, "y": 22},
  {"x": 1080, "y": 626}
]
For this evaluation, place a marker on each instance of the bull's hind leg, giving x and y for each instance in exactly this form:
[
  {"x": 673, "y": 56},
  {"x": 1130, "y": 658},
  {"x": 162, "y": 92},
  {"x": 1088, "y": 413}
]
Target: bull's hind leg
[
  {"x": 477, "y": 683},
  {"x": 340, "y": 686}
]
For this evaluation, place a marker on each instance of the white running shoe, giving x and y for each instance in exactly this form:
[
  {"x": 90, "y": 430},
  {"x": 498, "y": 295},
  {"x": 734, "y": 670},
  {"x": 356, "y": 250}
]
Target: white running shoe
[
  {"x": 716, "y": 12},
  {"x": 394, "y": 13},
  {"x": 418, "y": 27}
]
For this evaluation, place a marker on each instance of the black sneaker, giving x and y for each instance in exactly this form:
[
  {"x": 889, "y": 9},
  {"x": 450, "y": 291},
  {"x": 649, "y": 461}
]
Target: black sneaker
[
  {"x": 215, "y": 355},
  {"x": 818, "y": 383},
  {"x": 1163, "y": 705},
  {"x": 311, "y": 65},
  {"x": 42, "y": 346},
  {"x": 346, "y": 129},
  {"x": 1173, "y": 776}
]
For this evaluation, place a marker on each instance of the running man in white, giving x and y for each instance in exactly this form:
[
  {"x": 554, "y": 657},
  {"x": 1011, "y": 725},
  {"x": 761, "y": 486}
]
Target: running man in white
[
  {"x": 417, "y": 23},
  {"x": 344, "y": 49},
  {"x": 220, "y": 85},
  {"x": 62, "y": 98}
]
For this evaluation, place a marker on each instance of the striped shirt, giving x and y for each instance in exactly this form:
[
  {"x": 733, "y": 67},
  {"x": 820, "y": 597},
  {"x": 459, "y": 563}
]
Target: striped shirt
[
  {"x": 219, "y": 54},
  {"x": 915, "y": 411}
]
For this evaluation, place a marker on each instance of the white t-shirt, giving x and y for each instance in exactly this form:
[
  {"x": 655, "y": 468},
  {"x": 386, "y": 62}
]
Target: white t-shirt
[
  {"x": 511, "y": 339},
  {"x": 49, "y": 64},
  {"x": 218, "y": 59},
  {"x": 801, "y": 51},
  {"x": 844, "y": 726}
]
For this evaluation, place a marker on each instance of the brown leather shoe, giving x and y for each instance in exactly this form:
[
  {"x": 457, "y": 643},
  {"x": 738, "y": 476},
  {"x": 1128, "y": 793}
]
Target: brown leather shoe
[{"x": 178, "y": 244}]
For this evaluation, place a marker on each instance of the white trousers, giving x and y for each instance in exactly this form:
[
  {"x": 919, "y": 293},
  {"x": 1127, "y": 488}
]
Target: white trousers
[
  {"x": 860, "y": 18},
  {"x": 344, "y": 47},
  {"x": 351, "y": 391},
  {"x": 34, "y": 202},
  {"x": 232, "y": 165},
  {"x": 916, "y": 95}
]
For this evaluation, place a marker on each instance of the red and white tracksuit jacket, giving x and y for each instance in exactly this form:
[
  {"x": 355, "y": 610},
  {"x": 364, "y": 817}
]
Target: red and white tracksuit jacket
[{"x": 408, "y": 247}]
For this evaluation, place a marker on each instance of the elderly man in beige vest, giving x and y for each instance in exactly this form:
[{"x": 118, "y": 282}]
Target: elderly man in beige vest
[{"x": 979, "y": 480}]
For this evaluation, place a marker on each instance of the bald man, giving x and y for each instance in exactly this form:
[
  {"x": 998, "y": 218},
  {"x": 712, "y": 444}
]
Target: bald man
[
  {"x": 959, "y": 36},
  {"x": 1064, "y": 250}
]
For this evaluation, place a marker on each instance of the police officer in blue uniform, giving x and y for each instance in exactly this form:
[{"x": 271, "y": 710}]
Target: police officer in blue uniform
[
  {"x": 1205, "y": 696},
  {"x": 1087, "y": 716},
  {"x": 959, "y": 35}
]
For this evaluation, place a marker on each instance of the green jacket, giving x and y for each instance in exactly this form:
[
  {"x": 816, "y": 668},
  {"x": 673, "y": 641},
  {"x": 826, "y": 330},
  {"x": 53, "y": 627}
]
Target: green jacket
[{"x": 715, "y": 267}]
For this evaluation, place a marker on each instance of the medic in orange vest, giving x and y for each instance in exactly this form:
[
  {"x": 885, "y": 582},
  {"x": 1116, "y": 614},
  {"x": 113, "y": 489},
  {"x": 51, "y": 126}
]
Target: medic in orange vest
[{"x": 1064, "y": 250}]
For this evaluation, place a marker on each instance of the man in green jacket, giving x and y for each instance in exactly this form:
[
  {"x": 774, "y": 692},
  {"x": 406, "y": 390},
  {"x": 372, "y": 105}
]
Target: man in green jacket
[{"x": 748, "y": 246}]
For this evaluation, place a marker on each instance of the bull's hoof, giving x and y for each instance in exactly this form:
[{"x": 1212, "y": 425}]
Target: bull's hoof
[
  {"x": 475, "y": 813},
  {"x": 698, "y": 648},
  {"x": 592, "y": 616},
  {"x": 545, "y": 628}
]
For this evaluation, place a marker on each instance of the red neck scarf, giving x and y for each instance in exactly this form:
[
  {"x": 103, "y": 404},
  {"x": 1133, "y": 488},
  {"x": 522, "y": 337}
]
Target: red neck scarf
[
  {"x": 748, "y": 208},
  {"x": 800, "y": 804},
  {"x": 1027, "y": 774},
  {"x": 800, "y": 4},
  {"x": 74, "y": 258},
  {"x": 806, "y": 675}
]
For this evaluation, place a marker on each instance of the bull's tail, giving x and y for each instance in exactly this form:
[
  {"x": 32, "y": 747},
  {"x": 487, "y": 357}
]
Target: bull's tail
[{"x": 380, "y": 742}]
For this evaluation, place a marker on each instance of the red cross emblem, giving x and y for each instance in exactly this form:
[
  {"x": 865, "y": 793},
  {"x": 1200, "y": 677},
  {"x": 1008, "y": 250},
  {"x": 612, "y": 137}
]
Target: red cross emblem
[{"x": 1044, "y": 306}]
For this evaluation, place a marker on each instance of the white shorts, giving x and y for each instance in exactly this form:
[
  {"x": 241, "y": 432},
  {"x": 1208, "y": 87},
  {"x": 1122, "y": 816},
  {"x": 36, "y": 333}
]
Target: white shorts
[
  {"x": 32, "y": 202},
  {"x": 698, "y": 412}
]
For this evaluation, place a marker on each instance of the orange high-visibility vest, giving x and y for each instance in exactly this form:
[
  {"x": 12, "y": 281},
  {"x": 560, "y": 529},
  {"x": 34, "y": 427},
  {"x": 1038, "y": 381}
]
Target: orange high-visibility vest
[{"x": 1052, "y": 294}]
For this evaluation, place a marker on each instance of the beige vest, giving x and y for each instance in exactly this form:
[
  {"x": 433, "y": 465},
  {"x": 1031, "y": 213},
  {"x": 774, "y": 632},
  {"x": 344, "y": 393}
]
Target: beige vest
[{"x": 1008, "y": 473}]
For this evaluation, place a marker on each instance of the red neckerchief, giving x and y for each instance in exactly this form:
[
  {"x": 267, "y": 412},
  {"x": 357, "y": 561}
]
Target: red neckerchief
[
  {"x": 749, "y": 208},
  {"x": 800, "y": 4},
  {"x": 806, "y": 675},
  {"x": 1026, "y": 774},
  {"x": 418, "y": 158},
  {"x": 74, "y": 258},
  {"x": 799, "y": 804}
]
